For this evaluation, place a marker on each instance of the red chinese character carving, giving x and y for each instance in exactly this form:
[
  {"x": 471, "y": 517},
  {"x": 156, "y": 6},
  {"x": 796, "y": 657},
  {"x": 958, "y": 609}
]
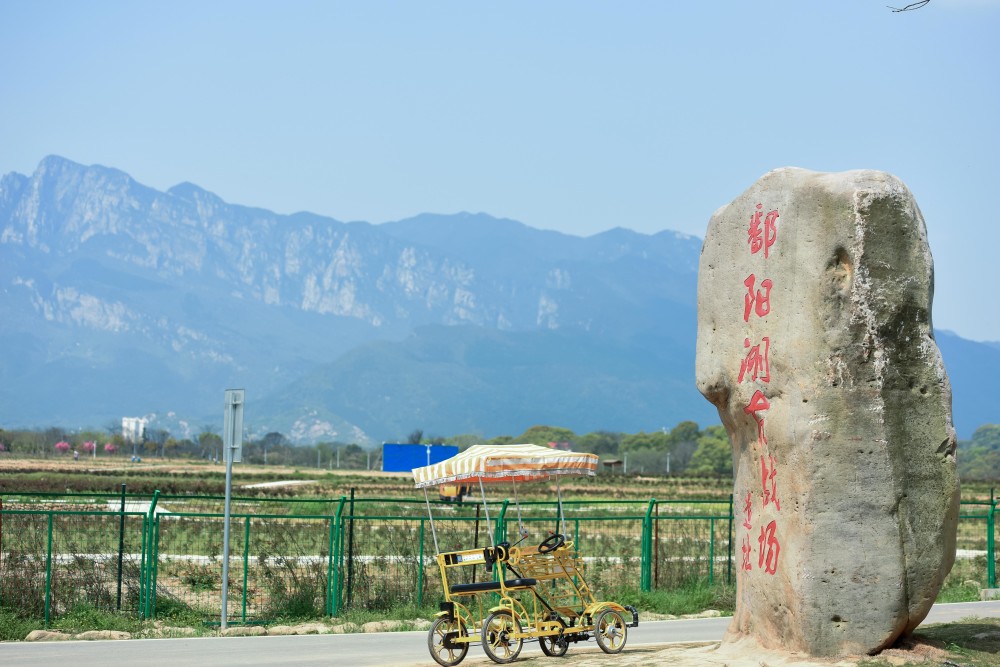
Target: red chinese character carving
[
  {"x": 747, "y": 512},
  {"x": 767, "y": 481},
  {"x": 756, "y": 363},
  {"x": 746, "y": 552},
  {"x": 758, "y": 403},
  {"x": 768, "y": 548},
  {"x": 760, "y": 302},
  {"x": 762, "y": 238}
]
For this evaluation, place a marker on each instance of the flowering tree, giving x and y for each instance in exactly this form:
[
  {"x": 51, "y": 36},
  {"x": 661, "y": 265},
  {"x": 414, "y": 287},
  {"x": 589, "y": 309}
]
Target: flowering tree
[
  {"x": 3, "y": 447},
  {"x": 89, "y": 446},
  {"x": 110, "y": 448},
  {"x": 62, "y": 446}
]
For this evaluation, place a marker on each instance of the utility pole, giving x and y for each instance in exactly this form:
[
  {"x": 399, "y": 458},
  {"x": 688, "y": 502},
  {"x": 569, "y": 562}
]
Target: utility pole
[{"x": 232, "y": 447}]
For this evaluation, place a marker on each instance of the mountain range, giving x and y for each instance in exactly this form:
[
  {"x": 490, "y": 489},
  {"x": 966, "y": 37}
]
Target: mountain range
[{"x": 117, "y": 299}]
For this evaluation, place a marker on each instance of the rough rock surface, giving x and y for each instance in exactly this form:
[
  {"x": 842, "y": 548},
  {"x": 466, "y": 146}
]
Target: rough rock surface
[
  {"x": 815, "y": 344},
  {"x": 93, "y": 635},
  {"x": 47, "y": 636}
]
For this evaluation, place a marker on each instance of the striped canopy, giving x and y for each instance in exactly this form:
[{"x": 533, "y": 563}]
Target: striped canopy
[{"x": 502, "y": 463}]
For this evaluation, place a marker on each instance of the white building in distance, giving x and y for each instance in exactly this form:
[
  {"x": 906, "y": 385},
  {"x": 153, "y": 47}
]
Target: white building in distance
[{"x": 134, "y": 428}]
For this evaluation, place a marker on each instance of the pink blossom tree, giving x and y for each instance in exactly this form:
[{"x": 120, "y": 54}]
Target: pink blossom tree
[
  {"x": 3, "y": 447},
  {"x": 110, "y": 448},
  {"x": 62, "y": 447},
  {"x": 89, "y": 447}
]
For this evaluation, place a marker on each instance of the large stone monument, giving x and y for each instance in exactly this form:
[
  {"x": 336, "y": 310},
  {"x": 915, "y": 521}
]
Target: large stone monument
[{"x": 815, "y": 344}]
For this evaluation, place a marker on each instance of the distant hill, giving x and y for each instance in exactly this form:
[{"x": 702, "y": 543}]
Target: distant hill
[
  {"x": 970, "y": 365},
  {"x": 121, "y": 300}
]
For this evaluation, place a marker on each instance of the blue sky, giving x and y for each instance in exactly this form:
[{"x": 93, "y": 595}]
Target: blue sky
[{"x": 574, "y": 116}]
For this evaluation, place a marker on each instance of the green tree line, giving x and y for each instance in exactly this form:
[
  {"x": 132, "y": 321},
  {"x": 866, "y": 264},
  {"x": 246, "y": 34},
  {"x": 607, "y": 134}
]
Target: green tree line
[{"x": 685, "y": 449}]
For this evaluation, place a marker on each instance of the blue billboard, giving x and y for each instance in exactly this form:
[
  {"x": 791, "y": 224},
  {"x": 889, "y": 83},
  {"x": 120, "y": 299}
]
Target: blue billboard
[{"x": 404, "y": 458}]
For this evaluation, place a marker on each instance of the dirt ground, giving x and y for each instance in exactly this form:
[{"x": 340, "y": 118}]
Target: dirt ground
[{"x": 714, "y": 654}]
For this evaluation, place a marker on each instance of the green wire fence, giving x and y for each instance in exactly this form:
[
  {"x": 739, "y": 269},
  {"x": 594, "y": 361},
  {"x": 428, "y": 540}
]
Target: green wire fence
[{"x": 148, "y": 555}]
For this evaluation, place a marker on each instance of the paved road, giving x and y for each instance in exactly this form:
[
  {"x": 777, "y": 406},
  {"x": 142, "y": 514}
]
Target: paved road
[{"x": 357, "y": 650}]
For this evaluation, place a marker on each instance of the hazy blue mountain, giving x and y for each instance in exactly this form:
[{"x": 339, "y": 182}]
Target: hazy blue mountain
[
  {"x": 464, "y": 379},
  {"x": 120, "y": 300},
  {"x": 970, "y": 367}
]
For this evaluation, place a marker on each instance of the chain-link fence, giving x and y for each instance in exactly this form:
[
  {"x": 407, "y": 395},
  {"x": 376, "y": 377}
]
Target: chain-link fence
[{"x": 308, "y": 558}]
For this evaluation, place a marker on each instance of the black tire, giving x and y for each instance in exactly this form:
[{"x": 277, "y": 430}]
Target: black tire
[
  {"x": 437, "y": 641},
  {"x": 610, "y": 631},
  {"x": 554, "y": 646},
  {"x": 497, "y": 642}
]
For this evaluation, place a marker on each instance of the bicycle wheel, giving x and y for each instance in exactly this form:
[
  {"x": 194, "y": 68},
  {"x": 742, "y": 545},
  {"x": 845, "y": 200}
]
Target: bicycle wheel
[
  {"x": 554, "y": 646},
  {"x": 440, "y": 641},
  {"x": 498, "y": 643},
  {"x": 610, "y": 631}
]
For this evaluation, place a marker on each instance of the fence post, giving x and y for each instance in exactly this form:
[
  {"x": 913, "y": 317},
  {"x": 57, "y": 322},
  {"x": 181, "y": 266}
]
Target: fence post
[
  {"x": 350, "y": 552},
  {"x": 655, "y": 550},
  {"x": 147, "y": 601},
  {"x": 48, "y": 574},
  {"x": 328, "y": 608},
  {"x": 1, "y": 543},
  {"x": 991, "y": 573},
  {"x": 335, "y": 563},
  {"x": 711, "y": 551},
  {"x": 647, "y": 548},
  {"x": 420, "y": 568},
  {"x": 246, "y": 562},
  {"x": 729, "y": 547},
  {"x": 121, "y": 547},
  {"x": 142, "y": 566},
  {"x": 154, "y": 550},
  {"x": 500, "y": 531}
]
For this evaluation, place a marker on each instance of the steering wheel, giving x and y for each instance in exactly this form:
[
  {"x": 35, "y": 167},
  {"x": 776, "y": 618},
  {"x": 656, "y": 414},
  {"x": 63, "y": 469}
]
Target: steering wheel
[{"x": 551, "y": 543}]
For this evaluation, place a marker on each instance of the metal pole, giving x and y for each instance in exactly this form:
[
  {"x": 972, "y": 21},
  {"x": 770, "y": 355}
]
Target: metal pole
[
  {"x": 150, "y": 588},
  {"x": 430, "y": 515},
  {"x": 521, "y": 532},
  {"x": 562, "y": 516},
  {"x": 475, "y": 542},
  {"x": 232, "y": 439},
  {"x": 155, "y": 551},
  {"x": 729, "y": 549},
  {"x": 656, "y": 548},
  {"x": 121, "y": 547},
  {"x": 420, "y": 568},
  {"x": 350, "y": 554},
  {"x": 48, "y": 574},
  {"x": 225, "y": 543},
  {"x": 991, "y": 574},
  {"x": 329, "y": 569},
  {"x": 711, "y": 551},
  {"x": 246, "y": 563},
  {"x": 489, "y": 527},
  {"x": 337, "y": 561}
]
